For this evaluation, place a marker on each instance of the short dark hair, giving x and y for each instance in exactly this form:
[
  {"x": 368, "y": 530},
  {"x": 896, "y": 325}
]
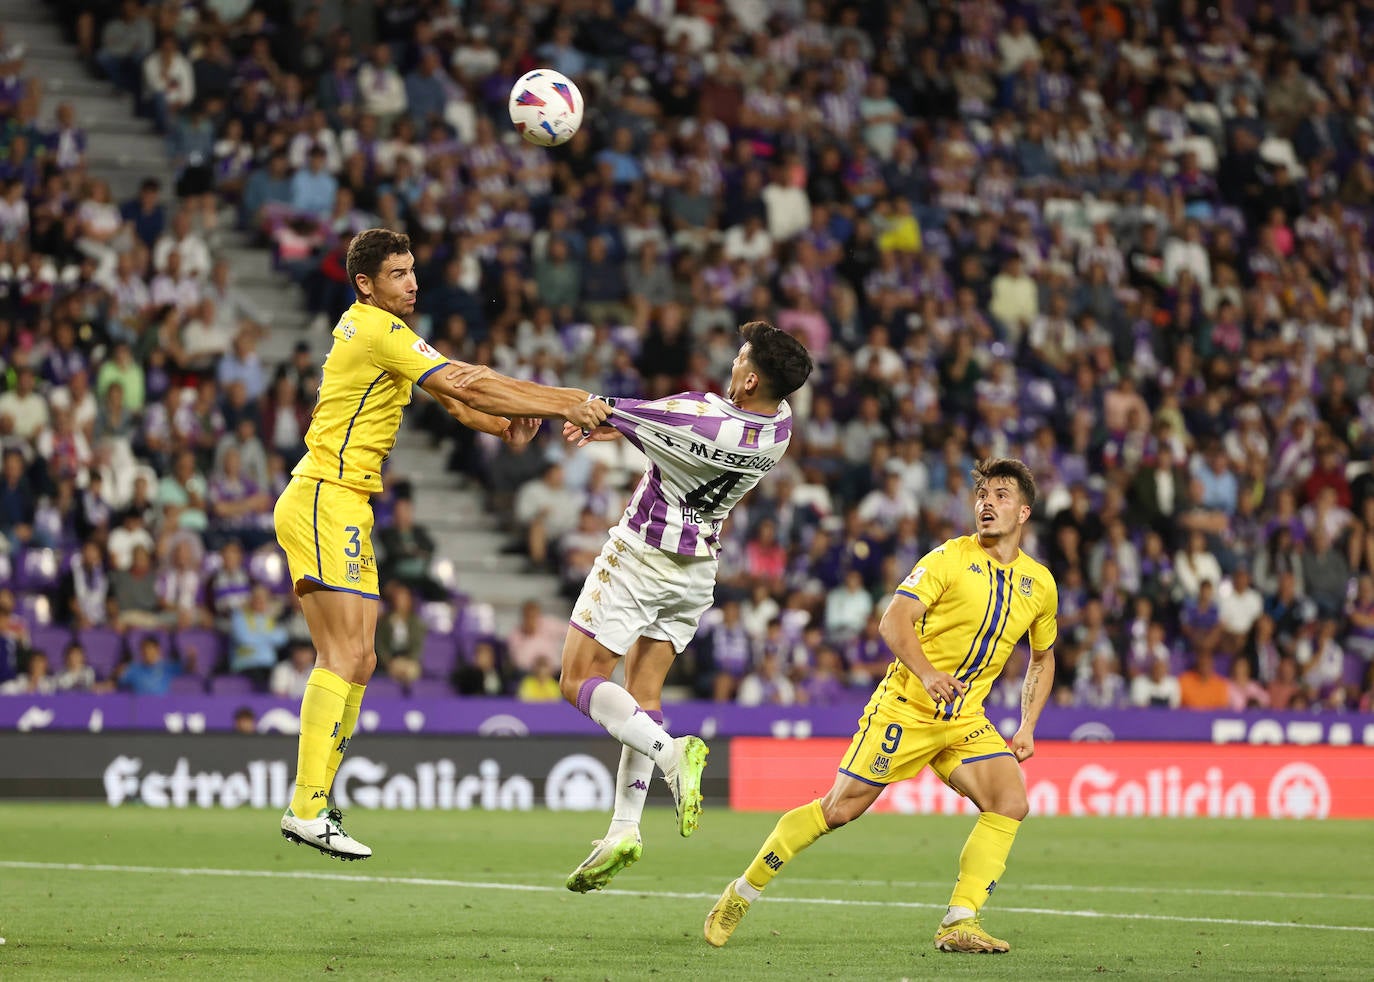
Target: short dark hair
[
  {"x": 1008, "y": 467},
  {"x": 370, "y": 248},
  {"x": 781, "y": 359}
]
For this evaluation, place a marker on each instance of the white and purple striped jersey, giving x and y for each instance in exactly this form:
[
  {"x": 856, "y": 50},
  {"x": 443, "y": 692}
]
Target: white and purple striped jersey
[{"x": 705, "y": 454}]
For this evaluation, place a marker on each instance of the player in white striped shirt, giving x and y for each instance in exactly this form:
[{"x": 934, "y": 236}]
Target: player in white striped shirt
[{"x": 656, "y": 575}]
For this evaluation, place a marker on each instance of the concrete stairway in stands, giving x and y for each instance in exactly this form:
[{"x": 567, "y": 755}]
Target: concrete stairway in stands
[{"x": 123, "y": 150}]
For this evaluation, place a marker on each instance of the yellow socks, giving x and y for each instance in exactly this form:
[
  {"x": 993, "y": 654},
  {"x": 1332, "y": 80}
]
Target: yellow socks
[
  {"x": 322, "y": 712},
  {"x": 352, "y": 705},
  {"x": 794, "y": 832},
  {"x": 983, "y": 860}
]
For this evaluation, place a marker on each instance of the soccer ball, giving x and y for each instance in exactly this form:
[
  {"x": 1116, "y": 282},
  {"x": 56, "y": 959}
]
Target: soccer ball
[{"x": 546, "y": 107}]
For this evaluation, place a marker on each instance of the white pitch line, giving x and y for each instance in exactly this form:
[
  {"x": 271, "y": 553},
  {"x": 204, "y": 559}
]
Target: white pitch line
[
  {"x": 1101, "y": 888},
  {"x": 660, "y": 894}
]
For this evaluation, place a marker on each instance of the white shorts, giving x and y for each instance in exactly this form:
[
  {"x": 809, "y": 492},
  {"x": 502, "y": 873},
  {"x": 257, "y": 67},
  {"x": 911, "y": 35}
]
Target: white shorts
[{"x": 636, "y": 591}]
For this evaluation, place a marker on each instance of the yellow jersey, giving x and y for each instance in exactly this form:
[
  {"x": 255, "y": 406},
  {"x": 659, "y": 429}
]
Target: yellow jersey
[
  {"x": 976, "y": 611},
  {"x": 367, "y": 379}
]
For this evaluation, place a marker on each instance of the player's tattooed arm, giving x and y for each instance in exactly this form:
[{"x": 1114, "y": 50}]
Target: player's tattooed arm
[{"x": 1035, "y": 692}]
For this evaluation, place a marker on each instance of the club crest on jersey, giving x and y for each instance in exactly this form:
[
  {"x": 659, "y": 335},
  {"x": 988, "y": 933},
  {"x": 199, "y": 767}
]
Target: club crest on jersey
[
  {"x": 353, "y": 572},
  {"x": 880, "y": 764},
  {"x": 751, "y": 436},
  {"x": 1025, "y": 586}
]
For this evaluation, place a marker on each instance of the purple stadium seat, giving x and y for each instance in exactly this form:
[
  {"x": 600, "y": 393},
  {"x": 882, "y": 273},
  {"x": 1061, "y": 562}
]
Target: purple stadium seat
[
  {"x": 439, "y": 616},
  {"x": 231, "y": 685},
  {"x": 1354, "y": 670},
  {"x": 104, "y": 649},
  {"x": 437, "y": 656},
  {"x": 188, "y": 685},
  {"x": 384, "y": 687},
  {"x": 52, "y": 641},
  {"x": 430, "y": 689},
  {"x": 208, "y": 646}
]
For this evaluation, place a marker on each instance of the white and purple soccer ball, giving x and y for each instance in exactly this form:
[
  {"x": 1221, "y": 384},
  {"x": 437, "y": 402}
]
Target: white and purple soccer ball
[{"x": 546, "y": 107}]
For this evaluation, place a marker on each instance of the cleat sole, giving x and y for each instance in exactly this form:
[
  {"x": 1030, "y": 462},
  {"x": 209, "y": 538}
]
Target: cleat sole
[{"x": 626, "y": 854}]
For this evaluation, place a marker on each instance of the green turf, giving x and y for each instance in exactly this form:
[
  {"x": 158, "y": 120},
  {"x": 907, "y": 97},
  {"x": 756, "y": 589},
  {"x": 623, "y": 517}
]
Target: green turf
[{"x": 69, "y": 924}]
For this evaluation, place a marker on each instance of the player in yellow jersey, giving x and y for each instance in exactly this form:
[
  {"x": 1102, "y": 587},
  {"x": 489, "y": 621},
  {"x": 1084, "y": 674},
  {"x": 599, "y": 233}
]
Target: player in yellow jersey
[
  {"x": 324, "y": 517},
  {"x": 952, "y": 625}
]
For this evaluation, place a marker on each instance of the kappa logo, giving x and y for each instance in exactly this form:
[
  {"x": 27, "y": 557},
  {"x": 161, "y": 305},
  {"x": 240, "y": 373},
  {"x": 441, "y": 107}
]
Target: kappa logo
[
  {"x": 585, "y": 616},
  {"x": 975, "y": 568},
  {"x": 397, "y": 326},
  {"x": 603, "y": 575},
  {"x": 595, "y": 595},
  {"x": 880, "y": 764},
  {"x": 639, "y": 785},
  {"x": 353, "y": 572},
  {"x": 1025, "y": 586}
]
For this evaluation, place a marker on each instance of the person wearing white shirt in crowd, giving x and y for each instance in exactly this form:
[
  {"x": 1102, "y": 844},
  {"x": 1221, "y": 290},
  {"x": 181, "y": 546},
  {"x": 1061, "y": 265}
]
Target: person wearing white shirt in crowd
[
  {"x": 24, "y": 405},
  {"x": 1321, "y": 656},
  {"x": 1157, "y": 688},
  {"x": 1195, "y": 564},
  {"x": 1188, "y": 253},
  {"x": 187, "y": 244},
  {"x": 1239, "y": 606},
  {"x": 1016, "y": 46},
  {"x": 749, "y": 240},
  {"x": 847, "y": 607},
  {"x": 382, "y": 89},
  {"x": 767, "y": 685},
  {"x": 168, "y": 80},
  {"x": 290, "y": 675}
]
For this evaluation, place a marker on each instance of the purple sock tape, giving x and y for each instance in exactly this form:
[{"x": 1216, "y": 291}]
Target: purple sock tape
[
  {"x": 584, "y": 695},
  {"x": 655, "y": 714}
]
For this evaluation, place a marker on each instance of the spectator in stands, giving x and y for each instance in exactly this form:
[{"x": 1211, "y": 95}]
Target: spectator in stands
[
  {"x": 256, "y": 637},
  {"x": 34, "y": 681},
  {"x": 1200, "y": 687},
  {"x": 150, "y": 673},
  {"x": 1246, "y": 693},
  {"x": 1200, "y": 619},
  {"x": 289, "y": 676},
  {"x": 480, "y": 674},
  {"x": 18, "y": 503},
  {"x": 182, "y": 494},
  {"x": 1326, "y": 573},
  {"x": 14, "y": 637},
  {"x": 125, "y": 42},
  {"x": 1320, "y": 657},
  {"x": 169, "y": 85},
  {"x": 400, "y": 636},
  {"x": 406, "y": 550},
  {"x": 848, "y": 607},
  {"x": 537, "y": 635},
  {"x": 1103, "y": 687},
  {"x": 1156, "y": 688},
  {"x": 540, "y": 685},
  {"x": 546, "y": 510},
  {"x": 182, "y": 592},
  {"x": 26, "y": 408},
  {"x": 133, "y": 590},
  {"x": 83, "y": 595},
  {"x": 767, "y": 684},
  {"x": 76, "y": 674}
]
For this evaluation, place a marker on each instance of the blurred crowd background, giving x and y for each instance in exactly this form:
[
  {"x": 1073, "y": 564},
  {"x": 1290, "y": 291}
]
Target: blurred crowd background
[{"x": 1128, "y": 242}]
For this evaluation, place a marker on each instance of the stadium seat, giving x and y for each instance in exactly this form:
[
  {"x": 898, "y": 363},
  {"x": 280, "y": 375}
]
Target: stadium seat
[
  {"x": 231, "y": 685},
  {"x": 208, "y": 646},
  {"x": 52, "y": 641},
  {"x": 104, "y": 649},
  {"x": 384, "y": 687},
  {"x": 423, "y": 688},
  {"x": 439, "y": 616},
  {"x": 36, "y": 609},
  {"x": 268, "y": 566},
  {"x": 438, "y": 655},
  {"x": 38, "y": 570},
  {"x": 188, "y": 685}
]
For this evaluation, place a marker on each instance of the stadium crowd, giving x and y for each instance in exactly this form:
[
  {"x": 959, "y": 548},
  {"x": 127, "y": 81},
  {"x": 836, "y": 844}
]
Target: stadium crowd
[{"x": 1128, "y": 242}]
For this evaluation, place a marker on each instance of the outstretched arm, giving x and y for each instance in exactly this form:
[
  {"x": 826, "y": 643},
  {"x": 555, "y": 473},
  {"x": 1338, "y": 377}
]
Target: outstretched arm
[
  {"x": 494, "y": 394},
  {"x": 1035, "y": 692}
]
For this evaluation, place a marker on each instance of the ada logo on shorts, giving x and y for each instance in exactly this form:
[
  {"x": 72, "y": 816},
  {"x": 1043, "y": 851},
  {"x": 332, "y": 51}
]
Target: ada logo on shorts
[
  {"x": 880, "y": 764},
  {"x": 353, "y": 571}
]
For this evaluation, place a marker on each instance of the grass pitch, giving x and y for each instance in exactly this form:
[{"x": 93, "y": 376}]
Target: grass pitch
[{"x": 92, "y": 892}]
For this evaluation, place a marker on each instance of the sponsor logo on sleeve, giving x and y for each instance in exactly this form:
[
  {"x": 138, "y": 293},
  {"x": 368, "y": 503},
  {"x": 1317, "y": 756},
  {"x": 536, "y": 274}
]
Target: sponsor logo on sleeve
[{"x": 423, "y": 347}]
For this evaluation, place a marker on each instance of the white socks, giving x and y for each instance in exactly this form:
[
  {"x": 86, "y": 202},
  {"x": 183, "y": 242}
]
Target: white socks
[
  {"x": 747, "y": 890},
  {"x": 631, "y": 788},
  {"x": 612, "y": 707},
  {"x": 957, "y": 914}
]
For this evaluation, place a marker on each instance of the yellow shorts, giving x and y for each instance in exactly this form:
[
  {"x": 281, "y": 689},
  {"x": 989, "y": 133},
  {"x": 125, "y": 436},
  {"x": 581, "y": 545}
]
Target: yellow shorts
[
  {"x": 893, "y": 743},
  {"x": 326, "y": 531}
]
